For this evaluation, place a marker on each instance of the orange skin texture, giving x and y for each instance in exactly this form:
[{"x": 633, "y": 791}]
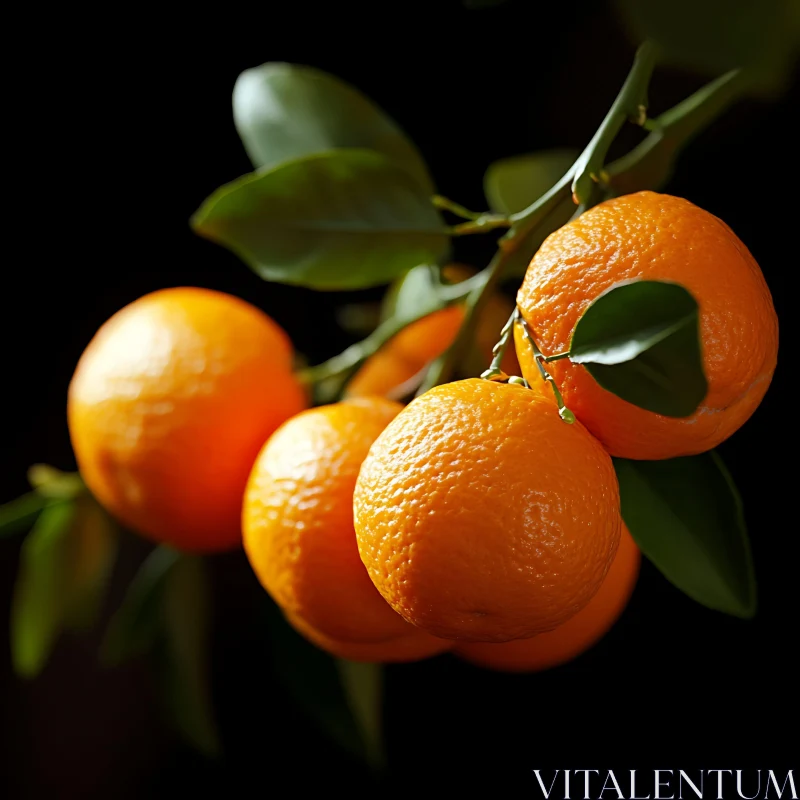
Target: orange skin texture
[
  {"x": 414, "y": 646},
  {"x": 657, "y": 237},
  {"x": 168, "y": 407},
  {"x": 423, "y": 341},
  {"x": 297, "y": 520},
  {"x": 481, "y": 516},
  {"x": 577, "y": 634}
]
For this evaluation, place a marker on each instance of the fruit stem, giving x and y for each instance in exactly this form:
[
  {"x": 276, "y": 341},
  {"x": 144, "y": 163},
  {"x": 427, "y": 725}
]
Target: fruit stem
[
  {"x": 494, "y": 373},
  {"x": 631, "y": 104},
  {"x": 539, "y": 358},
  {"x": 445, "y": 204},
  {"x": 481, "y": 224}
]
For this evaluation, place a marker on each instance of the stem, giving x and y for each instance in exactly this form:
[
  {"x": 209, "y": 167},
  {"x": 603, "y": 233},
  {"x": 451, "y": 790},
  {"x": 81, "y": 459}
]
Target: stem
[
  {"x": 649, "y": 165},
  {"x": 556, "y": 357},
  {"x": 631, "y": 103},
  {"x": 481, "y": 224},
  {"x": 495, "y": 373},
  {"x": 445, "y": 204}
]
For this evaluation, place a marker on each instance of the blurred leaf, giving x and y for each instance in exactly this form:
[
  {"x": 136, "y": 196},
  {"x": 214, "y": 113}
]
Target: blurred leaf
[
  {"x": 363, "y": 688},
  {"x": 91, "y": 552},
  {"x": 136, "y": 625},
  {"x": 286, "y": 111},
  {"x": 38, "y": 608},
  {"x": 186, "y": 663},
  {"x": 312, "y": 678},
  {"x": 686, "y": 516},
  {"x": 717, "y": 35},
  {"x": 359, "y": 318},
  {"x": 52, "y": 482},
  {"x": 346, "y": 219},
  {"x": 412, "y": 293},
  {"x": 640, "y": 340},
  {"x": 18, "y": 515},
  {"x": 512, "y": 184}
]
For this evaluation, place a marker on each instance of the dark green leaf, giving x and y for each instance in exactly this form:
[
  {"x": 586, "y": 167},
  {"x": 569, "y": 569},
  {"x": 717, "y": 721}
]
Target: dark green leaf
[
  {"x": 686, "y": 516},
  {"x": 38, "y": 608},
  {"x": 186, "y": 665},
  {"x": 91, "y": 552},
  {"x": 18, "y": 515},
  {"x": 287, "y": 111},
  {"x": 139, "y": 620},
  {"x": 640, "y": 340},
  {"x": 312, "y": 677},
  {"x": 345, "y": 219},
  {"x": 363, "y": 688},
  {"x": 716, "y": 35},
  {"x": 512, "y": 184}
]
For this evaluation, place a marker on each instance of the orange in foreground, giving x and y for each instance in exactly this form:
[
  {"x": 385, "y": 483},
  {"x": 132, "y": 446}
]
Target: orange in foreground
[
  {"x": 481, "y": 516},
  {"x": 168, "y": 407},
  {"x": 414, "y": 646},
  {"x": 656, "y": 237},
  {"x": 576, "y": 635},
  {"x": 298, "y": 521}
]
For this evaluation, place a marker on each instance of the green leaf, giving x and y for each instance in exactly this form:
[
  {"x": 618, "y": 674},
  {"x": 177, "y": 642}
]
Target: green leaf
[
  {"x": 286, "y": 111},
  {"x": 716, "y": 35},
  {"x": 640, "y": 340},
  {"x": 416, "y": 291},
  {"x": 138, "y": 622},
  {"x": 91, "y": 552},
  {"x": 186, "y": 671},
  {"x": 37, "y": 609},
  {"x": 512, "y": 184},
  {"x": 53, "y": 483},
  {"x": 18, "y": 515},
  {"x": 345, "y": 219},
  {"x": 363, "y": 688},
  {"x": 315, "y": 682},
  {"x": 686, "y": 516}
]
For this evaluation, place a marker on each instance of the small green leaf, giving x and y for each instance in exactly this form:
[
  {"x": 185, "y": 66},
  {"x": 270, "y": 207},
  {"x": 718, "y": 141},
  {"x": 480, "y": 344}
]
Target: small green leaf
[
  {"x": 640, "y": 340},
  {"x": 286, "y": 111},
  {"x": 363, "y": 688},
  {"x": 91, "y": 552},
  {"x": 37, "y": 609},
  {"x": 345, "y": 219},
  {"x": 314, "y": 681},
  {"x": 52, "y": 482},
  {"x": 716, "y": 35},
  {"x": 186, "y": 664},
  {"x": 416, "y": 291},
  {"x": 686, "y": 516},
  {"x": 138, "y": 622},
  {"x": 18, "y": 515},
  {"x": 512, "y": 184}
]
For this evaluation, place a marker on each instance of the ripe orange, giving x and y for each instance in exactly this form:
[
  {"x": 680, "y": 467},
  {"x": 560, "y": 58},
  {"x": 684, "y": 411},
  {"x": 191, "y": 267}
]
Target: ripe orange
[
  {"x": 657, "y": 237},
  {"x": 426, "y": 339},
  {"x": 298, "y": 521},
  {"x": 414, "y": 646},
  {"x": 481, "y": 516},
  {"x": 577, "y": 634},
  {"x": 168, "y": 407}
]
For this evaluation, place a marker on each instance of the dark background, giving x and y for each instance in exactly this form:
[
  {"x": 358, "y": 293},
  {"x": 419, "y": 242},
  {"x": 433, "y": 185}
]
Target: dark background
[{"x": 125, "y": 127}]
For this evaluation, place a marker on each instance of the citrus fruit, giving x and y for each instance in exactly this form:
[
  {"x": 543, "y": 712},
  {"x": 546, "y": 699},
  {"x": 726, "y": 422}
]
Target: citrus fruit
[
  {"x": 414, "y": 646},
  {"x": 577, "y": 634},
  {"x": 655, "y": 237},
  {"x": 297, "y": 521},
  {"x": 421, "y": 342},
  {"x": 168, "y": 407},
  {"x": 481, "y": 516}
]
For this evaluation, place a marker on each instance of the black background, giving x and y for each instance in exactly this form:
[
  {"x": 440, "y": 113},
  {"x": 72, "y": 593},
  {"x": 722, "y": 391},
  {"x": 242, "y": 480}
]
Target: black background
[{"x": 124, "y": 127}]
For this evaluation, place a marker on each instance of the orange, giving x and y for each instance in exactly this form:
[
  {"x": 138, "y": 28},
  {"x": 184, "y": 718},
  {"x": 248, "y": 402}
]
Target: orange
[
  {"x": 298, "y": 521},
  {"x": 423, "y": 341},
  {"x": 168, "y": 407},
  {"x": 414, "y": 646},
  {"x": 655, "y": 237},
  {"x": 481, "y": 516},
  {"x": 577, "y": 634}
]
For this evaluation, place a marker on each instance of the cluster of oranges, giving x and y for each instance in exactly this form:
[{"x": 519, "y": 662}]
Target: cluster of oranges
[{"x": 473, "y": 519}]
